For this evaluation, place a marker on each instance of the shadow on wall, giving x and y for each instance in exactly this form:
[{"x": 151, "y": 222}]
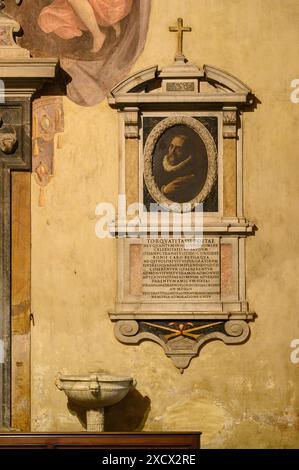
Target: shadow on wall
[{"x": 130, "y": 414}]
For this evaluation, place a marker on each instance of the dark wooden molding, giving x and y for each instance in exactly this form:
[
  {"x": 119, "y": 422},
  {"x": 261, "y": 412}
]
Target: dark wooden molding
[
  {"x": 20, "y": 300},
  {"x": 131, "y": 440},
  {"x": 15, "y": 117},
  {"x": 5, "y": 364}
]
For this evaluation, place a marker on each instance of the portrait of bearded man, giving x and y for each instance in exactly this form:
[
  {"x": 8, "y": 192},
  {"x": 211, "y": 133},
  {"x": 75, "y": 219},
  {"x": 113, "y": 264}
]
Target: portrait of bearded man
[{"x": 180, "y": 171}]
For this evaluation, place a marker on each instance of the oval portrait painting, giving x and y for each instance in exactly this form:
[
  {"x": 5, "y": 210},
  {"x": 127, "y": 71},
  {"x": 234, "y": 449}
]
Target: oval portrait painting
[
  {"x": 180, "y": 161},
  {"x": 180, "y": 164}
]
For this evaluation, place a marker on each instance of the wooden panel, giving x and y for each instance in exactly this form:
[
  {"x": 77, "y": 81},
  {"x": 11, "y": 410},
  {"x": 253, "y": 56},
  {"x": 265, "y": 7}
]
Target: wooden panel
[
  {"x": 101, "y": 440},
  {"x": 21, "y": 241}
]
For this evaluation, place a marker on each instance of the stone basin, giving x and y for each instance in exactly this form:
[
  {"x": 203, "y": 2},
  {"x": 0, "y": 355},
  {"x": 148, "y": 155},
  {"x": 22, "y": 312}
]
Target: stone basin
[{"x": 94, "y": 392}]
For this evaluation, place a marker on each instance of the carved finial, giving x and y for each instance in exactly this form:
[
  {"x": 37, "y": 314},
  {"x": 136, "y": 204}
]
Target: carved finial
[
  {"x": 9, "y": 50},
  {"x": 180, "y": 29}
]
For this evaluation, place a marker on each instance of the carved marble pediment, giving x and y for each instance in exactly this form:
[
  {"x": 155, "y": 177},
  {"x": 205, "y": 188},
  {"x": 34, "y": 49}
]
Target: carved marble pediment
[{"x": 180, "y": 83}]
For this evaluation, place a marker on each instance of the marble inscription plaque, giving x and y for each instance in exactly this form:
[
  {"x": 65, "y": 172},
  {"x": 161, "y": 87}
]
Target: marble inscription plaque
[
  {"x": 180, "y": 86},
  {"x": 171, "y": 271}
]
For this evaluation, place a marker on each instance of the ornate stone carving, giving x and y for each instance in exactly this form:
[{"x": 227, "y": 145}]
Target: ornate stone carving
[
  {"x": 182, "y": 340},
  {"x": 128, "y": 328},
  {"x": 229, "y": 122},
  {"x": 8, "y": 47},
  {"x": 227, "y": 89},
  {"x": 8, "y": 140},
  {"x": 131, "y": 118}
]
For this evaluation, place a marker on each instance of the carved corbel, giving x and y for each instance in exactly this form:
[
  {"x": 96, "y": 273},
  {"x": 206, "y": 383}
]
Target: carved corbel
[
  {"x": 229, "y": 122},
  {"x": 9, "y": 49},
  {"x": 182, "y": 340},
  {"x": 131, "y": 119},
  {"x": 8, "y": 140}
]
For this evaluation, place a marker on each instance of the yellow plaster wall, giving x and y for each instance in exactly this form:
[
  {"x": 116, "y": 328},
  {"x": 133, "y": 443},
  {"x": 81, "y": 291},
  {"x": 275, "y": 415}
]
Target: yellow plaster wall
[{"x": 239, "y": 396}]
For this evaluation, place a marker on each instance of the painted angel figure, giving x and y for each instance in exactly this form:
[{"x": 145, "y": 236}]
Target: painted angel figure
[{"x": 68, "y": 18}]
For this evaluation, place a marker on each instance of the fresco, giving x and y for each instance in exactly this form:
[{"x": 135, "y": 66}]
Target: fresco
[{"x": 97, "y": 41}]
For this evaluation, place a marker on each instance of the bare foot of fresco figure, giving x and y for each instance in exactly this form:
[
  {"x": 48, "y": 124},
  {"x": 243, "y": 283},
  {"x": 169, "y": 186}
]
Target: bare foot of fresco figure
[
  {"x": 117, "y": 29},
  {"x": 69, "y": 18},
  {"x": 86, "y": 14}
]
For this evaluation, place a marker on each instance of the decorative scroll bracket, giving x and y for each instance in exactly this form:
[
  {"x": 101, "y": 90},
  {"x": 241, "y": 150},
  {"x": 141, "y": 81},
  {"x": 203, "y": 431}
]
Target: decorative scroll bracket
[{"x": 182, "y": 340}]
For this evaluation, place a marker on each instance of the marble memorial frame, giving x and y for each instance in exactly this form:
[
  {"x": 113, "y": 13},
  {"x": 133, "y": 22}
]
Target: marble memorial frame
[
  {"x": 181, "y": 325},
  {"x": 173, "y": 116}
]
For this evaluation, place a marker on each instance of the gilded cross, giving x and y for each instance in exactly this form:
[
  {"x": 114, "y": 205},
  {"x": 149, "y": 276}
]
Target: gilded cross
[{"x": 180, "y": 29}]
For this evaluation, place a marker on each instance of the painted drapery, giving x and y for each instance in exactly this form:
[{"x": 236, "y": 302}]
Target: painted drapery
[{"x": 94, "y": 65}]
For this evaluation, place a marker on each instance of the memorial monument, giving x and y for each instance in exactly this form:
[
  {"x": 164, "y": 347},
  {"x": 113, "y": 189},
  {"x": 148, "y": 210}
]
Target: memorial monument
[{"x": 181, "y": 150}]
